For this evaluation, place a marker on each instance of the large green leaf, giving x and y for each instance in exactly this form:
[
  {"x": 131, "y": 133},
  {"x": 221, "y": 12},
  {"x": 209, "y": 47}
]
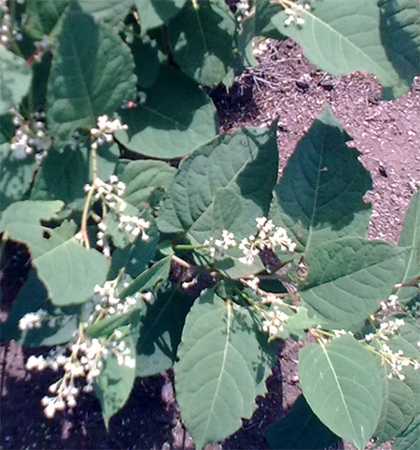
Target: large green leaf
[
  {"x": 68, "y": 271},
  {"x": 245, "y": 162},
  {"x": 342, "y": 36},
  {"x": 202, "y": 38},
  {"x": 342, "y": 385},
  {"x": 114, "y": 384},
  {"x": 16, "y": 176},
  {"x": 222, "y": 367},
  {"x": 15, "y": 79},
  {"x": 409, "y": 439},
  {"x": 154, "y": 13},
  {"x": 177, "y": 118},
  {"x": 348, "y": 277},
  {"x": 320, "y": 195},
  {"x": 143, "y": 177},
  {"x": 160, "y": 331},
  {"x": 45, "y": 17},
  {"x": 399, "y": 407},
  {"x": 87, "y": 81},
  {"x": 300, "y": 429},
  {"x": 32, "y": 297},
  {"x": 410, "y": 238},
  {"x": 62, "y": 176},
  {"x": 109, "y": 11}
]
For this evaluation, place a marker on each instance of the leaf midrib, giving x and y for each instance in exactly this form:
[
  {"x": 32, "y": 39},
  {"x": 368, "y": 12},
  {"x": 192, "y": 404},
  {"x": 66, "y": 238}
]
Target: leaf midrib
[
  {"x": 222, "y": 367},
  {"x": 384, "y": 73}
]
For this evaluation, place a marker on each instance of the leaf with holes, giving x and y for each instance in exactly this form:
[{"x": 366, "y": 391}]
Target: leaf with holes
[
  {"x": 221, "y": 369},
  {"x": 87, "y": 81},
  {"x": 68, "y": 271},
  {"x": 342, "y": 386}
]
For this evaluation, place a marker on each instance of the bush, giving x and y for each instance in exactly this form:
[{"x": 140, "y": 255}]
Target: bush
[{"x": 139, "y": 263}]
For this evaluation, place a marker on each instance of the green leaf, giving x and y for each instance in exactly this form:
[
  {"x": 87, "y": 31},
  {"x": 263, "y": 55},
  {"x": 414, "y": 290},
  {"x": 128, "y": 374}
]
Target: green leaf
[
  {"x": 7, "y": 129},
  {"x": 400, "y": 406},
  {"x": 202, "y": 38},
  {"x": 222, "y": 369},
  {"x": 87, "y": 81},
  {"x": 245, "y": 162},
  {"x": 298, "y": 323},
  {"x": 410, "y": 238},
  {"x": 143, "y": 177},
  {"x": 409, "y": 439},
  {"x": 149, "y": 278},
  {"x": 320, "y": 195},
  {"x": 107, "y": 159},
  {"x": 15, "y": 79},
  {"x": 154, "y": 13},
  {"x": 300, "y": 429},
  {"x": 347, "y": 279},
  {"x": 110, "y": 11},
  {"x": 114, "y": 384},
  {"x": 46, "y": 17},
  {"x": 43, "y": 16},
  {"x": 16, "y": 176},
  {"x": 31, "y": 298},
  {"x": 106, "y": 327},
  {"x": 160, "y": 331},
  {"x": 146, "y": 59},
  {"x": 341, "y": 37},
  {"x": 342, "y": 385},
  {"x": 68, "y": 271},
  {"x": 160, "y": 128},
  {"x": 62, "y": 176}
]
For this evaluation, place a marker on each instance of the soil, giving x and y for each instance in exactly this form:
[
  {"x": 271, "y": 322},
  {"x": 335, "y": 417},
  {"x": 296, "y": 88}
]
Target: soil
[{"x": 284, "y": 85}]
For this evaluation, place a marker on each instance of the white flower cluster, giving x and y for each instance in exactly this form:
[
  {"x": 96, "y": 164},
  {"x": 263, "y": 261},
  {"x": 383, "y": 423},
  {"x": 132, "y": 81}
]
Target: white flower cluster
[
  {"x": 106, "y": 301},
  {"x": 35, "y": 319},
  {"x": 397, "y": 361},
  {"x": 84, "y": 357},
  {"x": 42, "y": 47},
  {"x": 268, "y": 236},
  {"x": 274, "y": 321},
  {"x": 8, "y": 33},
  {"x": 294, "y": 11},
  {"x": 386, "y": 330},
  {"x": 110, "y": 194},
  {"x": 105, "y": 131},
  {"x": 218, "y": 247},
  {"x": 30, "y": 136}
]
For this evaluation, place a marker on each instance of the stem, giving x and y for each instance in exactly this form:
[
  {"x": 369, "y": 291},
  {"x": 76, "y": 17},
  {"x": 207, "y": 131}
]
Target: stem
[
  {"x": 85, "y": 215},
  {"x": 181, "y": 262}
]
